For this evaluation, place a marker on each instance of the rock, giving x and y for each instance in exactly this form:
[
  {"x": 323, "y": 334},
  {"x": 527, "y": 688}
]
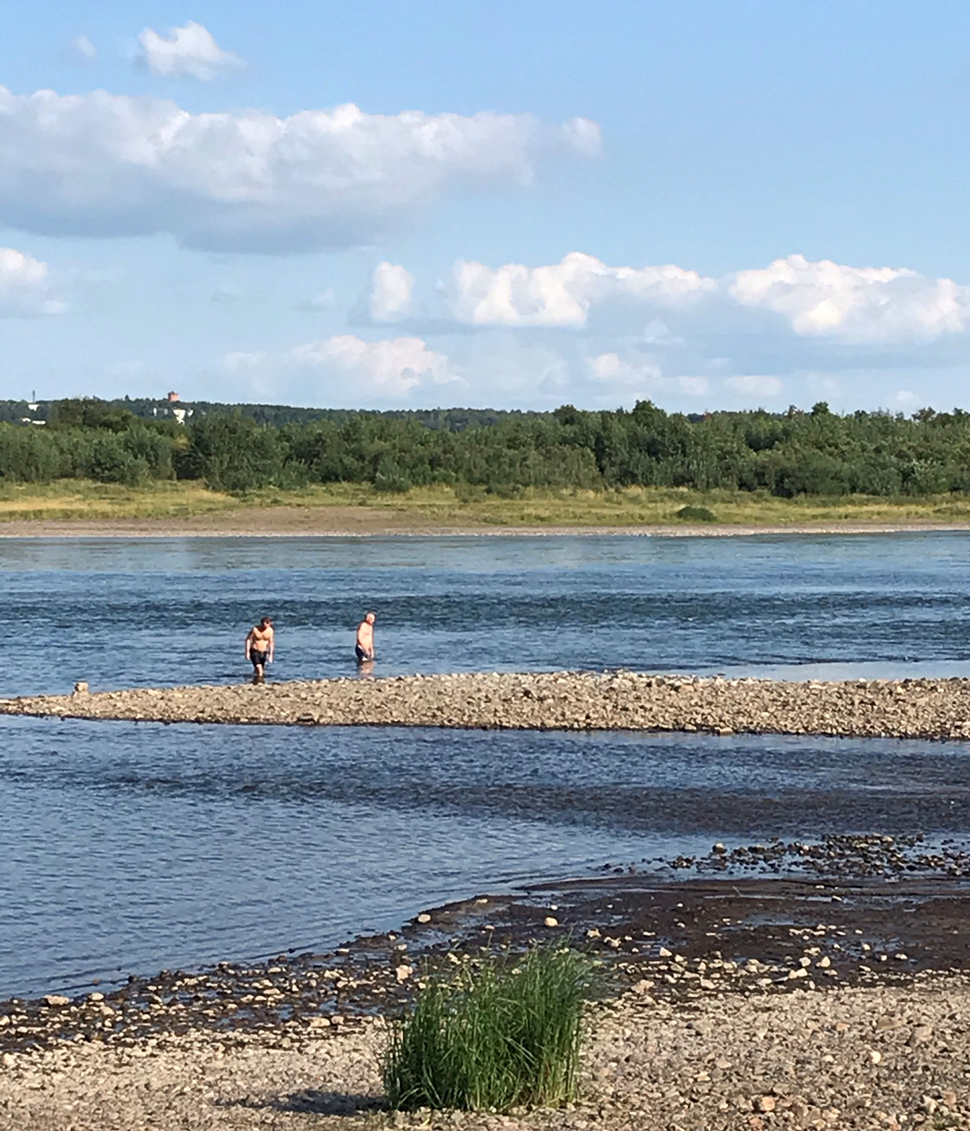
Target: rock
[
  {"x": 80, "y": 688},
  {"x": 424, "y": 917},
  {"x": 55, "y": 1000},
  {"x": 550, "y": 921},
  {"x": 403, "y": 972},
  {"x": 766, "y": 1104}
]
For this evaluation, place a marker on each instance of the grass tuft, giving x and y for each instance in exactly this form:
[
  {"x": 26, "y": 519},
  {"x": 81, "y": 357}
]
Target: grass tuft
[{"x": 493, "y": 1036}]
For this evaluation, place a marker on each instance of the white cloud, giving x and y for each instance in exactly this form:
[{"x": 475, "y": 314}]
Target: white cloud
[
  {"x": 611, "y": 369},
  {"x": 25, "y": 285},
  {"x": 858, "y": 304},
  {"x": 189, "y": 50},
  {"x": 110, "y": 165},
  {"x": 346, "y": 370},
  {"x": 756, "y": 386},
  {"x": 561, "y": 295},
  {"x": 82, "y": 48},
  {"x": 390, "y": 368},
  {"x": 391, "y": 293},
  {"x": 905, "y": 397},
  {"x": 642, "y": 377}
]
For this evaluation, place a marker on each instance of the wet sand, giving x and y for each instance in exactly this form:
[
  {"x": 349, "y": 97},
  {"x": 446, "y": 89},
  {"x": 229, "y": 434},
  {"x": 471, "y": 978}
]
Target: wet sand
[{"x": 909, "y": 708}]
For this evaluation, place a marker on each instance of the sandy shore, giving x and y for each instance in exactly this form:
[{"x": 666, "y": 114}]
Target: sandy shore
[
  {"x": 356, "y": 522},
  {"x": 909, "y": 708}
]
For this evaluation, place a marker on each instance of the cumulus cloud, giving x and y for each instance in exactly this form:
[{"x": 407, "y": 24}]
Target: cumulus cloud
[
  {"x": 643, "y": 377},
  {"x": 390, "y": 367},
  {"x": 25, "y": 285},
  {"x": 391, "y": 292},
  {"x": 862, "y": 306},
  {"x": 188, "y": 50},
  {"x": 345, "y": 369},
  {"x": 755, "y": 386},
  {"x": 859, "y": 304},
  {"x": 561, "y": 295},
  {"x": 111, "y": 165}
]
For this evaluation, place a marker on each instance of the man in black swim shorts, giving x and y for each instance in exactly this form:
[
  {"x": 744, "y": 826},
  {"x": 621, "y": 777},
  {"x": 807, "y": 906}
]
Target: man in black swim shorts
[
  {"x": 260, "y": 644},
  {"x": 364, "y": 646}
]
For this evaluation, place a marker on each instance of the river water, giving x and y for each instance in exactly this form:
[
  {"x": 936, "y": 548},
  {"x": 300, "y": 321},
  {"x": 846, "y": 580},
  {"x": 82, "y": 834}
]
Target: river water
[{"x": 125, "y": 848}]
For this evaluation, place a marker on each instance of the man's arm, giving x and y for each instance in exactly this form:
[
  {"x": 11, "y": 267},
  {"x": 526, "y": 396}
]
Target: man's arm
[
  {"x": 272, "y": 645},
  {"x": 249, "y": 642}
]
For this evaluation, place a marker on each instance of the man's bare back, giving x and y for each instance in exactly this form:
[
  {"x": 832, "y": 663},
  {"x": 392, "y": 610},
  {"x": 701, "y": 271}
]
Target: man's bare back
[{"x": 365, "y": 639}]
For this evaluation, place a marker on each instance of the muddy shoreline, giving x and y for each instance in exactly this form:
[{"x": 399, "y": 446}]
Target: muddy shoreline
[
  {"x": 798, "y": 1000},
  {"x": 621, "y": 700}
]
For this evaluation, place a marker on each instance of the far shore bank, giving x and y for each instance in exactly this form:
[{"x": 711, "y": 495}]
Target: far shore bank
[
  {"x": 291, "y": 522},
  {"x": 76, "y": 508},
  {"x": 576, "y": 701}
]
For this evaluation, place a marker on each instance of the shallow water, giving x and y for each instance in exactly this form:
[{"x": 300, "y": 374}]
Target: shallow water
[
  {"x": 161, "y": 611},
  {"x": 132, "y": 847}
]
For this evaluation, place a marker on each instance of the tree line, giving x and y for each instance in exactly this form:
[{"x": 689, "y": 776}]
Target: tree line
[{"x": 817, "y": 452}]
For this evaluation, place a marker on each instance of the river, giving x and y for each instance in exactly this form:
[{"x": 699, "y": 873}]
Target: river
[{"x": 125, "y": 848}]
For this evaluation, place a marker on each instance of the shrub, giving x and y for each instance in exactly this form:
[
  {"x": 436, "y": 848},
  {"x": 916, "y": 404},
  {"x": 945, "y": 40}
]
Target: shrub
[
  {"x": 696, "y": 514},
  {"x": 493, "y": 1036}
]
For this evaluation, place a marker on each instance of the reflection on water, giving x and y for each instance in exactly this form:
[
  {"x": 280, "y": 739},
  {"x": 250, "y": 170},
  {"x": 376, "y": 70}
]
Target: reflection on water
[{"x": 131, "y": 847}]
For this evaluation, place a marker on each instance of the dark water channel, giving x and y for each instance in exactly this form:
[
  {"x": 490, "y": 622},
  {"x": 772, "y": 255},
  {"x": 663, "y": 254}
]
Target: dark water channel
[{"x": 132, "y": 847}]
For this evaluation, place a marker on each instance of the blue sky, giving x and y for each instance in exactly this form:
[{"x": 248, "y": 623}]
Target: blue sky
[{"x": 520, "y": 205}]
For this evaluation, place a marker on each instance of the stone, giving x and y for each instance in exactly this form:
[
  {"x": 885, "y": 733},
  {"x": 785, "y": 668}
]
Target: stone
[
  {"x": 550, "y": 921},
  {"x": 55, "y": 1001}
]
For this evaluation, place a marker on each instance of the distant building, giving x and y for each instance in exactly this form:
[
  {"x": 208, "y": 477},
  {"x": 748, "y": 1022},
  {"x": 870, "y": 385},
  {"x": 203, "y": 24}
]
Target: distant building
[{"x": 172, "y": 397}]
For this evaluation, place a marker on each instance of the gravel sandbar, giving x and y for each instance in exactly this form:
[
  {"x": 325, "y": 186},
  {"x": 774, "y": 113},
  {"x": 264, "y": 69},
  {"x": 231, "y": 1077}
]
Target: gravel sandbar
[{"x": 909, "y": 708}]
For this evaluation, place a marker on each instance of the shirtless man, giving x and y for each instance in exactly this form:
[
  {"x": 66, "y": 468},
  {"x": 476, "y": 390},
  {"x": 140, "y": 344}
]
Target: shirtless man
[
  {"x": 365, "y": 639},
  {"x": 260, "y": 644}
]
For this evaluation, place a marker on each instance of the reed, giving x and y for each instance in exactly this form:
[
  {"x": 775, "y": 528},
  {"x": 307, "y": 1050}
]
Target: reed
[{"x": 495, "y": 1035}]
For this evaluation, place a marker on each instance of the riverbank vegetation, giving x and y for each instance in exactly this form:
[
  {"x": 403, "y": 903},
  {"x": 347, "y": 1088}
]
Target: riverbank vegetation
[
  {"x": 493, "y": 1036},
  {"x": 346, "y": 506},
  {"x": 100, "y": 459}
]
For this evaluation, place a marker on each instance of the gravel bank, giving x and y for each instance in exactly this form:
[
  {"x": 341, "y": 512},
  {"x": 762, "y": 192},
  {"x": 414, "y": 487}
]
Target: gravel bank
[
  {"x": 377, "y": 522},
  {"x": 910, "y": 708},
  {"x": 861, "y": 1057}
]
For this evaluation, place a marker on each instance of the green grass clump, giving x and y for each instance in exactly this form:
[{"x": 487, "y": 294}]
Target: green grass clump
[
  {"x": 493, "y": 1036},
  {"x": 696, "y": 514}
]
